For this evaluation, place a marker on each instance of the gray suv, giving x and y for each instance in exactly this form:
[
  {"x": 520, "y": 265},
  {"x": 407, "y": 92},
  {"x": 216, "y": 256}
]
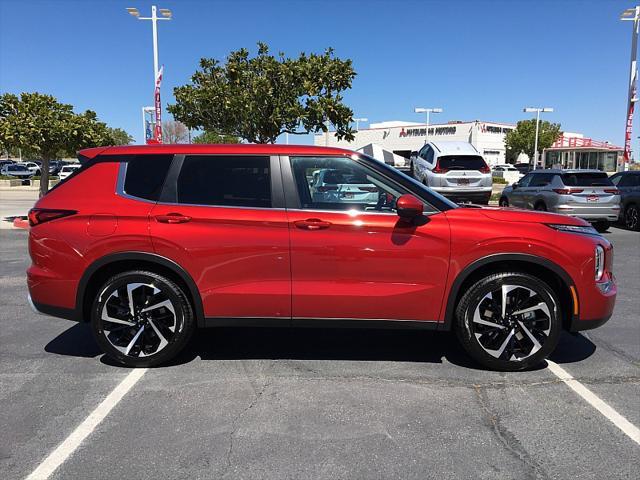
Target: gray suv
[{"x": 587, "y": 194}]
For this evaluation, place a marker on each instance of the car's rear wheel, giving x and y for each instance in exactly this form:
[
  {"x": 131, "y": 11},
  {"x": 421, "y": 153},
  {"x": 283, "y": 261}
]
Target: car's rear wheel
[
  {"x": 541, "y": 207},
  {"x": 504, "y": 202},
  {"x": 602, "y": 226},
  {"x": 141, "y": 319},
  {"x": 632, "y": 217},
  {"x": 508, "y": 321}
]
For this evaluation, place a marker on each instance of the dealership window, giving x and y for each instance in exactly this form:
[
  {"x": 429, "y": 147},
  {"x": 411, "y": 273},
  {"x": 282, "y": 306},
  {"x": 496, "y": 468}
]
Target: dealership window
[
  {"x": 328, "y": 183},
  {"x": 225, "y": 181},
  {"x": 145, "y": 175}
]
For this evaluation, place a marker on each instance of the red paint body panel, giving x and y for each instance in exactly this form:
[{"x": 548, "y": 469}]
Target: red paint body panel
[
  {"x": 368, "y": 266},
  {"x": 265, "y": 263},
  {"x": 239, "y": 258}
]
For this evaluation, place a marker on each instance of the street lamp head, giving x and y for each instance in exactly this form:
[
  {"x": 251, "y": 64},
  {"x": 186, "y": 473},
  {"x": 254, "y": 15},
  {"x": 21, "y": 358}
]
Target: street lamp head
[
  {"x": 133, "y": 11},
  {"x": 420, "y": 110},
  {"x": 529, "y": 109},
  {"x": 628, "y": 14},
  {"x": 547, "y": 109},
  {"x": 165, "y": 12},
  {"x": 436, "y": 110},
  {"x": 360, "y": 119}
]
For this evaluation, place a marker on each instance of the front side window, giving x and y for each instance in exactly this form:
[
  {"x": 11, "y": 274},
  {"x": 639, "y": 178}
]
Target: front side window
[
  {"x": 233, "y": 181},
  {"x": 328, "y": 183},
  {"x": 524, "y": 182},
  {"x": 145, "y": 175}
]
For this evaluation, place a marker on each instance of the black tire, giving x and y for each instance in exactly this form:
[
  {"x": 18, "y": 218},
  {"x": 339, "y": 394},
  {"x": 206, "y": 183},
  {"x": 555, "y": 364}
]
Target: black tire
[
  {"x": 541, "y": 207},
  {"x": 38, "y": 173},
  {"x": 128, "y": 332},
  {"x": 632, "y": 217},
  {"x": 504, "y": 202},
  {"x": 602, "y": 226},
  {"x": 412, "y": 170},
  {"x": 510, "y": 334}
]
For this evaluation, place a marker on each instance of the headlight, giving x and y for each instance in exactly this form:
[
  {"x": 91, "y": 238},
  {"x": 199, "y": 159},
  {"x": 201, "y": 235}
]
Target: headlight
[
  {"x": 599, "y": 263},
  {"x": 587, "y": 230}
]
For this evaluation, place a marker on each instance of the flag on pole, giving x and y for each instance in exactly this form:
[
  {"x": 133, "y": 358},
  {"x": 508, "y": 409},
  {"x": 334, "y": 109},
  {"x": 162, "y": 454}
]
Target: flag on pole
[{"x": 158, "y": 108}]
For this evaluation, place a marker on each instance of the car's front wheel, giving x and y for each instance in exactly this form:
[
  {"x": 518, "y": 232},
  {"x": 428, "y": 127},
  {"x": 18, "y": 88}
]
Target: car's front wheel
[
  {"x": 508, "y": 321},
  {"x": 141, "y": 319},
  {"x": 602, "y": 226},
  {"x": 504, "y": 202}
]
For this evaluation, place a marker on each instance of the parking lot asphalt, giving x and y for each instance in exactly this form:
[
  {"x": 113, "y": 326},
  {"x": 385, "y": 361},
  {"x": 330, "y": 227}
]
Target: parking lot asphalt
[{"x": 301, "y": 403}]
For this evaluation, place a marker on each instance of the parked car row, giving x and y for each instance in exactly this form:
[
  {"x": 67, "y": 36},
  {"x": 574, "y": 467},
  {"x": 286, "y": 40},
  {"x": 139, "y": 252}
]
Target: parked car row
[{"x": 33, "y": 167}]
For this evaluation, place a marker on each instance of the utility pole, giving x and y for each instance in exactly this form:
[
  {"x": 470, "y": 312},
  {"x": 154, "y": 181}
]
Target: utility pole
[
  {"x": 428, "y": 111},
  {"x": 537, "y": 110},
  {"x": 631, "y": 14}
]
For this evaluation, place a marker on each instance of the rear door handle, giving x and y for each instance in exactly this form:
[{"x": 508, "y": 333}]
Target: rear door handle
[
  {"x": 312, "y": 224},
  {"x": 172, "y": 218}
]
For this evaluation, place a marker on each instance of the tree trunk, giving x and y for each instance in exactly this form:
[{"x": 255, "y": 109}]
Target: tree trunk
[{"x": 44, "y": 176}]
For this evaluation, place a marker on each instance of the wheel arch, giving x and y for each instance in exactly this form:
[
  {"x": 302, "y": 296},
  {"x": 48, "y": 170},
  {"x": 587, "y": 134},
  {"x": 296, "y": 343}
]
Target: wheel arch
[
  {"x": 548, "y": 271},
  {"x": 103, "y": 268}
]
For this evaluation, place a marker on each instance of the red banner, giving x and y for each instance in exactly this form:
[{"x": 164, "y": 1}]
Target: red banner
[{"x": 158, "y": 108}]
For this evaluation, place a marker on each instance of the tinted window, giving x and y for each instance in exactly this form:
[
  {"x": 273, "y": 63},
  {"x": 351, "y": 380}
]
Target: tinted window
[
  {"x": 225, "y": 181},
  {"x": 586, "y": 179},
  {"x": 524, "y": 182},
  {"x": 627, "y": 180},
  {"x": 541, "y": 179},
  {"x": 327, "y": 183},
  {"x": 461, "y": 162},
  {"x": 145, "y": 175}
]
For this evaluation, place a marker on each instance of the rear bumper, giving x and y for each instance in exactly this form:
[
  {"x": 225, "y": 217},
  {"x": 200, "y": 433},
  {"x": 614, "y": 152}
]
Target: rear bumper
[
  {"x": 52, "y": 310},
  {"x": 590, "y": 213},
  {"x": 461, "y": 195}
]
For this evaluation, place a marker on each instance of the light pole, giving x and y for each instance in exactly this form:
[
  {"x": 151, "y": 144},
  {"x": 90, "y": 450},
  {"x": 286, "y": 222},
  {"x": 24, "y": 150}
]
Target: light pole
[
  {"x": 428, "y": 111},
  {"x": 535, "y": 147},
  {"x": 358, "y": 120},
  {"x": 166, "y": 15},
  {"x": 631, "y": 14}
]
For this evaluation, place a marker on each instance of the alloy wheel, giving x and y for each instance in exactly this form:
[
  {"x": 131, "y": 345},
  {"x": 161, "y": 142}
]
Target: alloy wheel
[
  {"x": 512, "y": 322},
  {"x": 139, "y": 319},
  {"x": 631, "y": 218}
]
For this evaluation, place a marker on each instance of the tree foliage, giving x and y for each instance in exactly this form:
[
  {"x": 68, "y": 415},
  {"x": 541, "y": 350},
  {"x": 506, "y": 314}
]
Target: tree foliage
[
  {"x": 522, "y": 138},
  {"x": 174, "y": 132},
  {"x": 43, "y": 127},
  {"x": 119, "y": 136},
  {"x": 213, "y": 137},
  {"x": 260, "y": 98}
]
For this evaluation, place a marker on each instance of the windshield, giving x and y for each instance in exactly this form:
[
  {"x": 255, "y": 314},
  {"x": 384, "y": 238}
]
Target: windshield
[
  {"x": 461, "y": 162},
  {"x": 393, "y": 172},
  {"x": 586, "y": 179}
]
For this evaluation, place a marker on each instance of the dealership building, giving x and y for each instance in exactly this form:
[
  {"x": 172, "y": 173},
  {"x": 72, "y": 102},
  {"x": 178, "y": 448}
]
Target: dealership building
[{"x": 404, "y": 137}]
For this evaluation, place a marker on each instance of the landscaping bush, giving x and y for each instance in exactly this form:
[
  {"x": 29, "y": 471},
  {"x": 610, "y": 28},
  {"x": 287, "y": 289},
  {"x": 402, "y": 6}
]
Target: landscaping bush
[{"x": 499, "y": 180}]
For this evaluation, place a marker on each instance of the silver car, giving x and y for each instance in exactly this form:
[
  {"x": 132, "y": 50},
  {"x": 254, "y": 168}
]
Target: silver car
[{"x": 587, "y": 194}]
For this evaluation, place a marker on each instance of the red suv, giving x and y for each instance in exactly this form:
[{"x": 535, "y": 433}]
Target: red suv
[{"x": 149, "y": 242}]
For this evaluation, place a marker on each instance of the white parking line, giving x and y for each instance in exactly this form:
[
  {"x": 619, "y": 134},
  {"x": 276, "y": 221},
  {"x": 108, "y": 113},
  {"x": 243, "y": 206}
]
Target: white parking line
[
  {"x": 596, "y": 402},
  {"x": 82, "y": 431}
]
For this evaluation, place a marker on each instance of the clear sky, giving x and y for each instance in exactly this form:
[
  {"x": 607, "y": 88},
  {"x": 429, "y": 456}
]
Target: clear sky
[{"x": 482, "y": 59}]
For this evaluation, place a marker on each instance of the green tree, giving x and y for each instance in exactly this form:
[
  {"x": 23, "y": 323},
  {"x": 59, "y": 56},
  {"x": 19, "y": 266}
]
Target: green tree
[
  {"x": 45, "y": 128},
  {"x": 212, "y": 137},
  {"x": 522, "y": 138},
  {"x": 119, "y": 136},
  {"x": 260, "y": 98}
]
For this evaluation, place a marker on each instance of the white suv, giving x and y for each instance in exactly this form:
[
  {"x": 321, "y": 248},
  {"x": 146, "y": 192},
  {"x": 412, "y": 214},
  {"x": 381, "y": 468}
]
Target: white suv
[{"x": 453, "y": 169}]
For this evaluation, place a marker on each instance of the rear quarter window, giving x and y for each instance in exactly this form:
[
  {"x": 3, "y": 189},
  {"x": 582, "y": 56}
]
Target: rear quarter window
[
  {"x": 145, "y": 175},
  {"x": 586, "y": 179}
]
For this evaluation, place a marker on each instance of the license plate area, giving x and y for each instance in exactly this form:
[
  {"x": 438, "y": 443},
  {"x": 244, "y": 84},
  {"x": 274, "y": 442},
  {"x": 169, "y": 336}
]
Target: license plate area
[
  {"x": 463, "y": 181},
  {"x": 592, "y": 198}
]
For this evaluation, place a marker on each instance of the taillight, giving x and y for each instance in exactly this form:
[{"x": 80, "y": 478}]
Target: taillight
[
  {"x": 326, "y": 189},
  {"x": 41, "y": 215},
  {"x": 485, "y": 169},
  {"x": 439, "y": 169},
  {"x": 568, "y": 191},
  {"x": 612, "y": 191}
]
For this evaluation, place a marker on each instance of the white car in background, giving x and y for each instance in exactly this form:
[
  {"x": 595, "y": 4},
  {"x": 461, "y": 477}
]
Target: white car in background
[
  {"x": 68, "y": 170},
  {"x": 338, "y": 186},
  {"x": 453, "y": 169},
  {"x": 33, "y": 167}
]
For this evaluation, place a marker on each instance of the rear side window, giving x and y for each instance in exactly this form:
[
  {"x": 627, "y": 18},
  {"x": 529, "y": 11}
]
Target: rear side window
[
  {"x": 225, "y": 181},
  {"x": 461, "y": 162},
  {"x": 541, "y": 179},
  {"x": 586, "y": 179},
  {"x": 145, "y": 175}
]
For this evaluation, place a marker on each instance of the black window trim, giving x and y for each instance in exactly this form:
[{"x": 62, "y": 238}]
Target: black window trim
[
  {"x": 122, "y": 176},
  {"x": 293, "y": 199},
  {"x": 169, "y": 193}
]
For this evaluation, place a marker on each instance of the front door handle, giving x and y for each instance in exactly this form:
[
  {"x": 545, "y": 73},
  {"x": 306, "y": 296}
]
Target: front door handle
[
  {"x": 172, "y": 218},
  {"x": 312, "y": 224}
]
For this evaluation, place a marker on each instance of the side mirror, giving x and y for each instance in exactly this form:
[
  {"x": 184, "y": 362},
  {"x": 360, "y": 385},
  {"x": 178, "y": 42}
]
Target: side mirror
[
  {"x": 409, "y": 207},
  {"x": 414, "y": 153},
  {"x": 514, "y": 185}
]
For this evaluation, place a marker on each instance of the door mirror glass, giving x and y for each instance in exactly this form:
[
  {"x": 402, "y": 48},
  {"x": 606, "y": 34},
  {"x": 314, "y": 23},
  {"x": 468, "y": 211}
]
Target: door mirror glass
[
  {"x": 409, "y": 207},
  {"x": 515, "y": 185}
]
